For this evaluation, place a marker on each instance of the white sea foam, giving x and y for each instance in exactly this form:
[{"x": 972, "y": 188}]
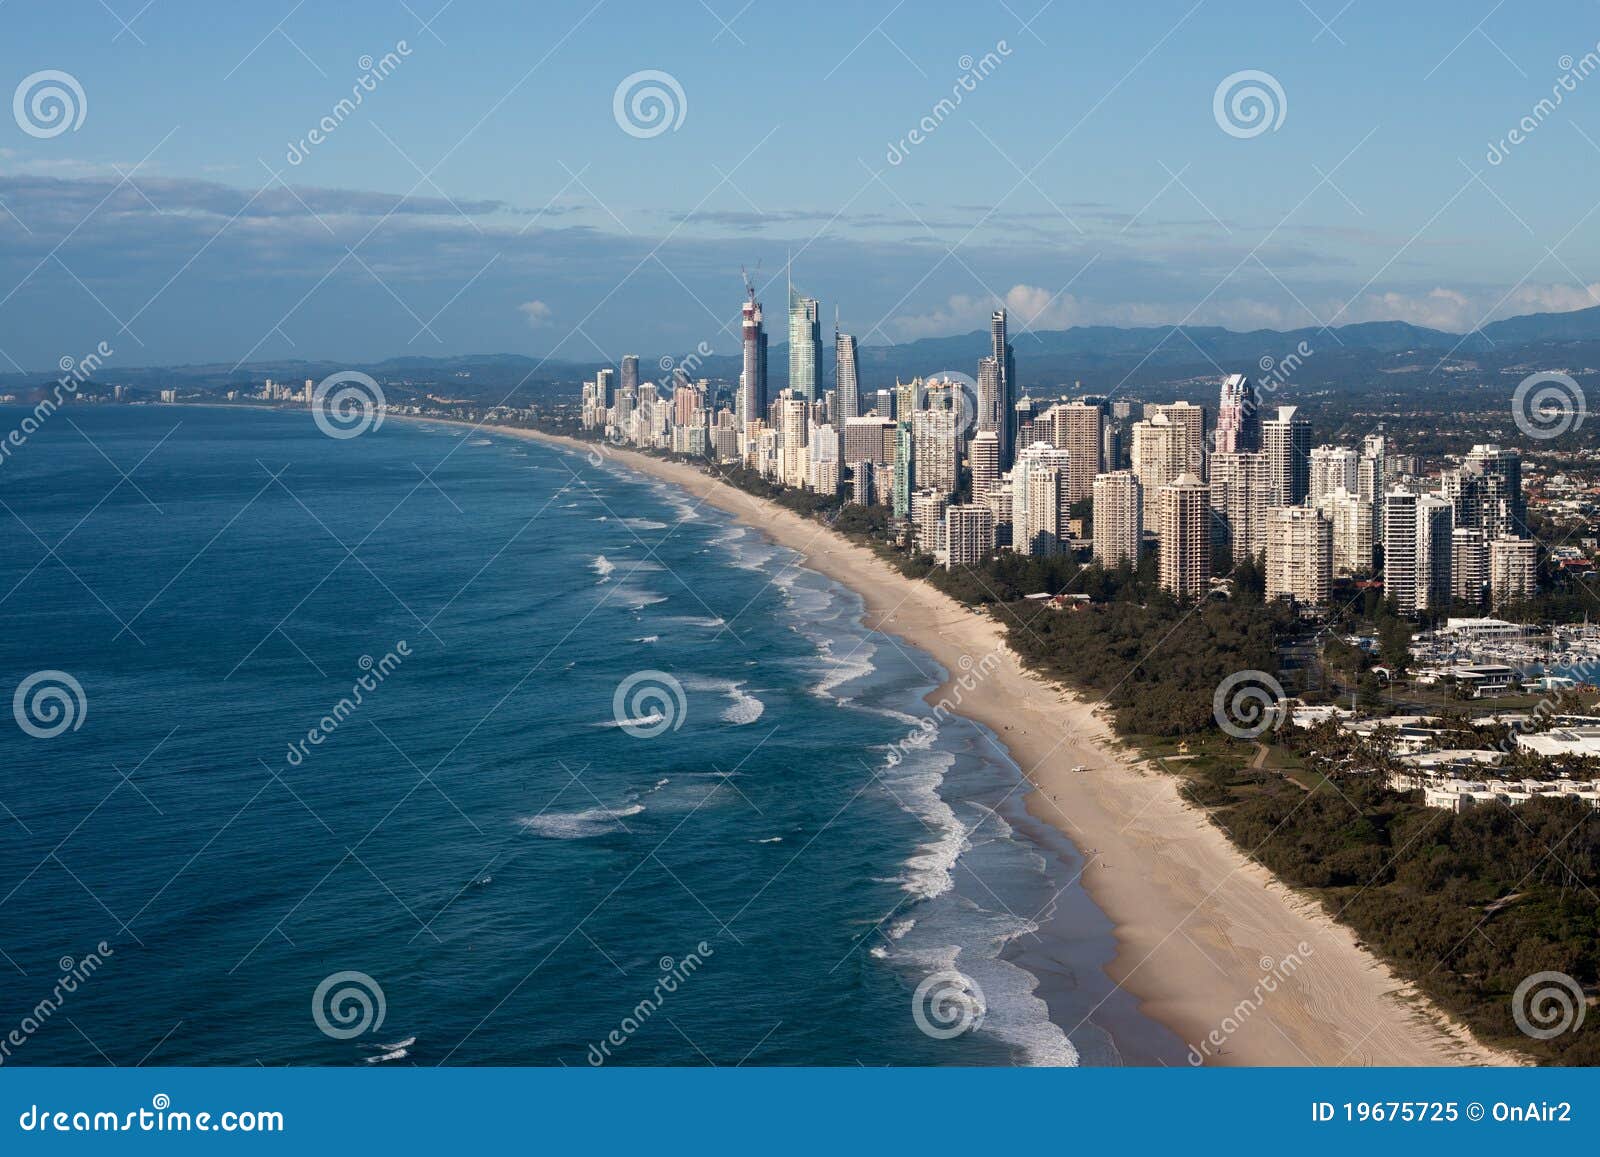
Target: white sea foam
[
  {"x": 395, "y": 1055},
  {"x": 596, "y": 821},
  {"x": 771, "y": 840},
  {"x": 743, "y": 707},
  {"x": 841, "y": 669},
  {"x": 915, "y": 783},
  {"x": 602, "y": 565},
  {"x": 648, "y": 639},
  {"x": 643, "y": 524},
  {"x": 643, "y": 721}
]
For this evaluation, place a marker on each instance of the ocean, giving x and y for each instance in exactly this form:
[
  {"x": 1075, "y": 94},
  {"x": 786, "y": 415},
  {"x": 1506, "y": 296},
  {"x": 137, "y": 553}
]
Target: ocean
[{"x": 435, "y": 746}]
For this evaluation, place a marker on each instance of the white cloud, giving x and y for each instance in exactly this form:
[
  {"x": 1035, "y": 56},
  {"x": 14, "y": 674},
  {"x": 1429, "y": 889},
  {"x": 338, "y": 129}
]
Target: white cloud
[{"x": 537, "y": 313}]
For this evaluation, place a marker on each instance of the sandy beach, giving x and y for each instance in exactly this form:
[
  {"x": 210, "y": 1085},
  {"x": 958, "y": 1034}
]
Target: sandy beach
[{"x": 1242, "y": 968}]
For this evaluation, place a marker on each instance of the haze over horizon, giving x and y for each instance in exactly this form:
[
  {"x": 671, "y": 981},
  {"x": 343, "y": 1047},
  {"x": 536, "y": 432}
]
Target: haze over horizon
[{"x": 496, "y": 188}]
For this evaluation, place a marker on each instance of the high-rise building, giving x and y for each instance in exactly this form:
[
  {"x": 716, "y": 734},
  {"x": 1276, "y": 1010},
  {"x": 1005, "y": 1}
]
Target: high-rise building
[
  {"x": 1286, "y": 440},
  {"x": 1372, "y": 481},
  {"x": 1435, "y": 527},
  {"x": 1240, "y": 499},
  {"x": 1039, "y": 508},
  {"x": 805, "y": 344},
  {"x": 984, "y": 455},
  {"x": 1400, "y": 549},
  {"x": 846, "y": 390},
  {"x": 927, "y": 521},
  {"x": 991, "y": 406},
  {"x": 968, "y": 534},
  {"x": 1332, "y": 468},
  {"x": 861, "y": 482},
  {"x": 1183, "y": 534},
  {"x": 605, "y": 384},
  {"x": 1299, "y": 555},
  {"x": 904, "y": 468},
  {"x": 870, "y": 438},
  {"x": 1075, "y": 428},
  {"x": 1045, "y": 534},
  {"x": 1351, "y": 516},
  {"x": 1238, "y": 422},
  {"x": 630, "y": 371},
  {"x": 1117, "y": 504},
  {"x": 1190, "y": 422},
  {"x": 1486, "y": 492},
  {"x": 1469, "y": 564},
  {"x": 1000, "y": 350},
  {"x": 1513, "y": 569},
  {"x": 750, "y": 404},
  {"x": 936, "y": 449},
  {"x": 1158, "y": 454}
]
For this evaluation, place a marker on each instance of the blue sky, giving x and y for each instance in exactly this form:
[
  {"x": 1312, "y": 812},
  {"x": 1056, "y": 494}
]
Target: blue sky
[{"x": 483, "y": 196}]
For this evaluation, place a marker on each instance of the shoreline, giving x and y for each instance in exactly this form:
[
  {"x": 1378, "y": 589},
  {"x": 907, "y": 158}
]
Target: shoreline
[{"x": 1208, "y": 942}]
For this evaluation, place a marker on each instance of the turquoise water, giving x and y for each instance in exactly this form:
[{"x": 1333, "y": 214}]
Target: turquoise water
[{"x": 523, "y": 879}]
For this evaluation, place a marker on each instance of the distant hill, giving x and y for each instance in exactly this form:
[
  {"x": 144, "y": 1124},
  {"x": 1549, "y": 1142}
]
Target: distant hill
[{"x": 1097, "y": 356}]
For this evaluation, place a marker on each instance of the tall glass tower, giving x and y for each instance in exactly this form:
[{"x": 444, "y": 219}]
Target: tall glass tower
[
  {"x": 1006, "y": 363},
  {"x": 805, "y": 344},
  {"x": 846, "y": 393}
]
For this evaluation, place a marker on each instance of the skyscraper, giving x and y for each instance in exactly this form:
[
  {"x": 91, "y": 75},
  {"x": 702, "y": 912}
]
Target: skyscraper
[
  {"x": 968, "y": 534},
  {"x": 605, "y": 385},
  {"x": 845, "y": 388},
  {"x": 1075, "y": 428},
  {"x": 1332, "y": 468},
  {"x": 1240, "y": 499},
  {"x": 752, "y": 397},
  {"x": 1238, "y": 422},
  {"x": 1299, "y": 555},
  {"x": 630, "y": 371},
  {"x": 1037, "y": 499},
  {"x": 1190, "y": 420},
  {"x": 1351, "y": 516},
  {"x": 1183, "y": 532},
  {"x": 1005, "y": 361},
  {"x": 1435, "y": 537},
  {"x": 936, "y": 449},
  {"x": 1513, "y": 567},
  {"x": 1287, "y": 442},
  {"x": 1486, "y": 492},
  {"x": 1116, "y": 519},
  {"x": 805, "y": 344},
  {"x": 1400, "y": 549},
  {"x": 985, "y": 457},
  {"x": 1157, "y": 459},
  {"x": 1469, "y": 564},
  {"x": 991, "y": 407}
]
